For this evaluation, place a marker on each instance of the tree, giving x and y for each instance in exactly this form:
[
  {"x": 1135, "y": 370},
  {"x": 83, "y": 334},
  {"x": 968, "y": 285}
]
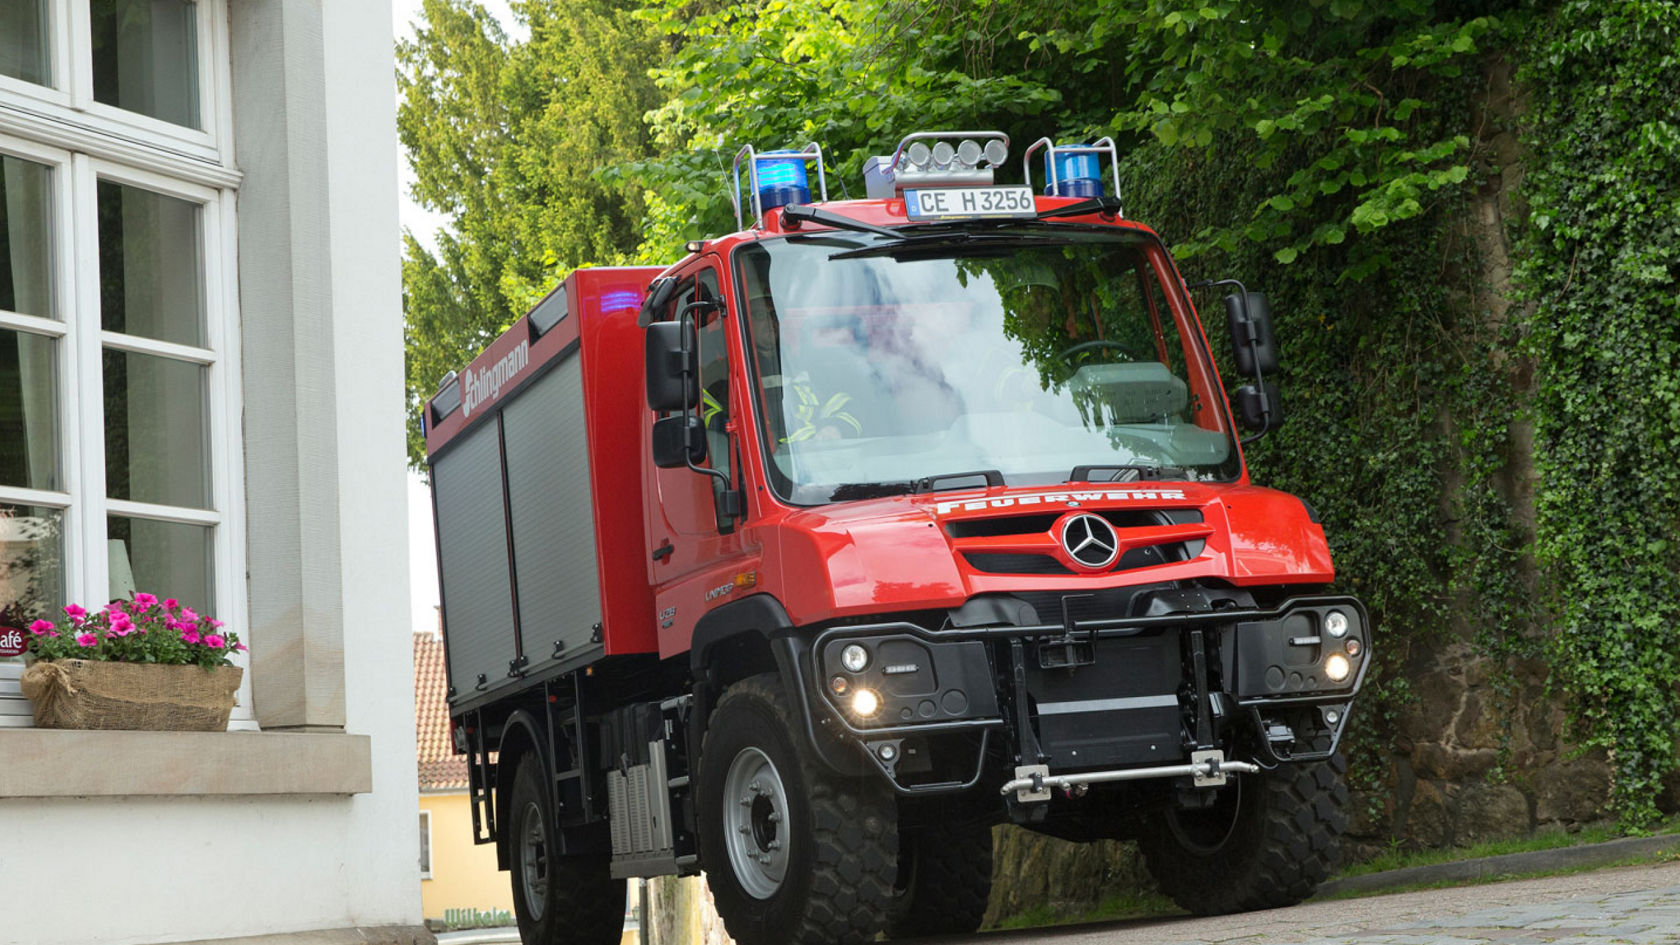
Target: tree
[{"x": 508, "y": 139}]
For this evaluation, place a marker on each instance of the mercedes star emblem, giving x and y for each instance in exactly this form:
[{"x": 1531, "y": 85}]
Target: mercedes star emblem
[{"x": 1090, "y": 541}]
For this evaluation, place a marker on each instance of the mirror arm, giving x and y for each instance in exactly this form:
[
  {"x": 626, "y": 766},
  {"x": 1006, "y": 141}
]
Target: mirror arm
[{"x": 689, "y": 360}]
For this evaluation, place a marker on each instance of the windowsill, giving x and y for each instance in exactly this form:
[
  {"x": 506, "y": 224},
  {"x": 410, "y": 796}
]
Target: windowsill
[{"x": 60, "y": 763}]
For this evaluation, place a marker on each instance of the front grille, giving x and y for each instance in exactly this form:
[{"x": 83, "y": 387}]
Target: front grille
[
  {"x": 1002, "y": 525},
  {"x": 1001, "y": 563}
]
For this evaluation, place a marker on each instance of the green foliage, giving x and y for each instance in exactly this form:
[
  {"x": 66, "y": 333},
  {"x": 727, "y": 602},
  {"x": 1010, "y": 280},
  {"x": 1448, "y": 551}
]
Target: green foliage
[
  {"x": 508, "y": 138},
  {"x": 1328, "y": 152},
  {"x": 1600, "y": 273}
]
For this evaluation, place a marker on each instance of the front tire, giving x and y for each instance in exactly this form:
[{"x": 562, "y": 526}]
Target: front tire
[
  {"x": 944, "y": 880},
  {"x": 794, "y": 853},
  {"x": 1268, "y": 842},
  {"x": 557, "y": 900}
]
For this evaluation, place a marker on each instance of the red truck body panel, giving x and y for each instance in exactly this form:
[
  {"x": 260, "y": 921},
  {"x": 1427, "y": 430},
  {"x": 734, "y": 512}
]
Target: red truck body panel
[{"x": 598, "y": 326}]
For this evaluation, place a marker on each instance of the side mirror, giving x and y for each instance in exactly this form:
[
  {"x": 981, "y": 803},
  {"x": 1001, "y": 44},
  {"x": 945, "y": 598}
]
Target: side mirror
[
  {"x": 678, "y": 441},
  {"x": 1252, "y": 342},
  {"x": 1259, "y": 408},
  {"x": 673, "y": 378}
]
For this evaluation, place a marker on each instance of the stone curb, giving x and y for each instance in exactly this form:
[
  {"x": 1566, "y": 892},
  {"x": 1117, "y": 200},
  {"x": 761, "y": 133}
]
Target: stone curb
[{"x": 1536, "y": 861}]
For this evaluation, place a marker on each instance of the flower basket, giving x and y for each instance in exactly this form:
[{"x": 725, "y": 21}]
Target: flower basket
[
  {"x": 143, "y": 663},
  {"x": 85, "y": 694}
]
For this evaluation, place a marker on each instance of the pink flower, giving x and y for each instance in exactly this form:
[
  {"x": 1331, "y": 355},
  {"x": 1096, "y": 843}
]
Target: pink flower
[
  {"x": 213, "y": 622},
  {"x": 188, "y": 615},
  {"x": 215, "y": 642},
  {"x": 143, "y": 601},
  {"x": 189, "y": 635},
  {"x": 76, "y": 612},
  {"x": 120, "y": 620},
  {"x": 39, "y": 627},
  {"x": 238, "y": 646},
  {"x": 87, "y": 639},
  {"x": 120, "y": 631},
  {"x": 170, "y": 603}
]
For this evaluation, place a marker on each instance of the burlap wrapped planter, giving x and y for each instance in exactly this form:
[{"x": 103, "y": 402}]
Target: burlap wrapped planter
[{"x": 146, "y": 696}]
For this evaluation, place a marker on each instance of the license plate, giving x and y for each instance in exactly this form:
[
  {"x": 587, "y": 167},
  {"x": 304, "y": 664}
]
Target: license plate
[{"x": 967, "y": 203}]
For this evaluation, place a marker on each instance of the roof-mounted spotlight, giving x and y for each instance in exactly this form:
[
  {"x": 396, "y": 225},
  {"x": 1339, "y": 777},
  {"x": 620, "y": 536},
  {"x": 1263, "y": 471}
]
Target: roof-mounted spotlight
[{"x": 952, "y": 159}]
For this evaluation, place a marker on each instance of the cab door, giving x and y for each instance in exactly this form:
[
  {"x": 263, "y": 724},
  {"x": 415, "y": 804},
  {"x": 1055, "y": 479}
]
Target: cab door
[{"x": 696, "y": 549}]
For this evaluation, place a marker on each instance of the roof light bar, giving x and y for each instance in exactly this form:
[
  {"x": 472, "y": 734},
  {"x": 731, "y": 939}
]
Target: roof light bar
[
  {"x": 780, "y": 180},
  {"x": 953, "y": 159},
  {"x": 1074, "y": 170}
]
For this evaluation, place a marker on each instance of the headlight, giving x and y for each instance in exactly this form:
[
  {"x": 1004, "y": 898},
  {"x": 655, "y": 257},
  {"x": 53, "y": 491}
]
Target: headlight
[
  {"x": 854, "y": 658},
  {"x": 866, "y": 703},
  {"x": 1336, "y": 624},
  {"x": 1337, "y": 667}
]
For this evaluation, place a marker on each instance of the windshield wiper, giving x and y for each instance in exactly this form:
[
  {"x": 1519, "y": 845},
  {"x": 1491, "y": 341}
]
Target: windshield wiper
[
  {"x": 1140, "y": 473},
  {"x": 800, "y": 213},
  {"x": 853, "y": 491},
  {"x": 1083, "y": 207}
]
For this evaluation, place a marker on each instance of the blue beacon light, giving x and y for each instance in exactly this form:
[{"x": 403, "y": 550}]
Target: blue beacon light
[
  {"x": 782, "y": 181},
  {"x": 1076, "y": 175}
]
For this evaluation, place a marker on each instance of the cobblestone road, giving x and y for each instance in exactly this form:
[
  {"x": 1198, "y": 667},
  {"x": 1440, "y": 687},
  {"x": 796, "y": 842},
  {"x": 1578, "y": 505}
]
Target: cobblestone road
[{"x": 1626, "y": 906}]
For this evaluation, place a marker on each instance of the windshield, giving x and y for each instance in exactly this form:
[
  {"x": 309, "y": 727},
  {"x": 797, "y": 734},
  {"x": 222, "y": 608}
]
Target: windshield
[{"x": 1018, "y": 357}]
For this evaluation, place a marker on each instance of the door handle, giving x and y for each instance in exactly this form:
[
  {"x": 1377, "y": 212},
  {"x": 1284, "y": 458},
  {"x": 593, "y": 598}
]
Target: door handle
[{"x": 664, "y": 551}]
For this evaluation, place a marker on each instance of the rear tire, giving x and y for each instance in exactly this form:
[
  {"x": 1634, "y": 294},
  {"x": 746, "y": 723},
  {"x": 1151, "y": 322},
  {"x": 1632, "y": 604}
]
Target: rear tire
[
  {"x": 558, "y": 900},
  {"x": 795, "y": 854},
  {"x": 944, "y": 880},
  {"x": 1271, "y": 839}
]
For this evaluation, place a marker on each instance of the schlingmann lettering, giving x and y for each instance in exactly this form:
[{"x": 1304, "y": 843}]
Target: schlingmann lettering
[{"x": 485, "y": 384}]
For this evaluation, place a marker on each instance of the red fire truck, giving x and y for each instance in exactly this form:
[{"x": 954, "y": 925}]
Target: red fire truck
[{"x": 805, "y": 561}]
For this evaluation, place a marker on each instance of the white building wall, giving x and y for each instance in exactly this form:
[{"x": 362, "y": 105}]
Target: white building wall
[{"x": 122, "y": 870}]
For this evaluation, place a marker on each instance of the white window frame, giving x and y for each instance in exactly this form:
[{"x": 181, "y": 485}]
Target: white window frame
[
  {"x": 84, "y": 142},
  {"x": 428, "y": 855}
]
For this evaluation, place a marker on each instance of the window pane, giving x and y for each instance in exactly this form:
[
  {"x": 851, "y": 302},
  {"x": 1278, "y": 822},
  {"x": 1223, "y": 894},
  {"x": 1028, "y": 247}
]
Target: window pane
[
  {"x": 162, "y": 558},
  {"x": 145, "y": 57},
  {"x": 23, "y": 40},
  {"x": 31, "y": 565},
  {"x": 25, "y": 235},
  {"x": 155, "y": 439},
  {"x": 148, "y": 265},
  {"x": 28, "y": 412}
]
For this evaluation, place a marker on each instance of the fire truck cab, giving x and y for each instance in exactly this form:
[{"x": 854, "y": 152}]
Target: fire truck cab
[{"x": 807, "y": 560}]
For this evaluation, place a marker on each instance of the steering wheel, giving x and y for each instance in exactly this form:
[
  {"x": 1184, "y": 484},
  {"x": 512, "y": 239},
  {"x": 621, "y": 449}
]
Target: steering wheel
[{"x": 1131, "y": 355}]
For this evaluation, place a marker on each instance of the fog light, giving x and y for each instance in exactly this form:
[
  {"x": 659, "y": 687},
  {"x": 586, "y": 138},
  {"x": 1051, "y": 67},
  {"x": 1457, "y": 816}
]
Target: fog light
[
  {"x": 1336, "y": 624},
  {"x": 1352, "y": 646},
  {"x": 854, "y": 658},
  {"x": 866, "y": 703},
  {"x": 887, "y": 752},
  {"x": 1332, "y": 716},
  {"x": 1336, "y": 667},
  {"x": 838, "y": 685}
]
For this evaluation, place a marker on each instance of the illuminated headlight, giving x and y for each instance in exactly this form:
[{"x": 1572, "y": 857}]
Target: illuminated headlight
[
  {"x": 866, "y": 703},
  {"x": 1336, "y": 624},
  {"x": 1336, "y": 667},
  {"x": 854, "y": 658}
]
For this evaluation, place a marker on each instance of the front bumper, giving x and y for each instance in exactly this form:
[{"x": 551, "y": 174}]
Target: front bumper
[{"x": 1111, "y": 694}]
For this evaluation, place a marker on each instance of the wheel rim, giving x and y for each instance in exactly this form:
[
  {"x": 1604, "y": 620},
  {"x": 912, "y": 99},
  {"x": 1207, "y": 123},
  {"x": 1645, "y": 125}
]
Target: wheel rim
[
  {"x": 755, "y": 824},
  {"x": 533, "y": 861},
  {"x": 1205, "y": 832}
]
